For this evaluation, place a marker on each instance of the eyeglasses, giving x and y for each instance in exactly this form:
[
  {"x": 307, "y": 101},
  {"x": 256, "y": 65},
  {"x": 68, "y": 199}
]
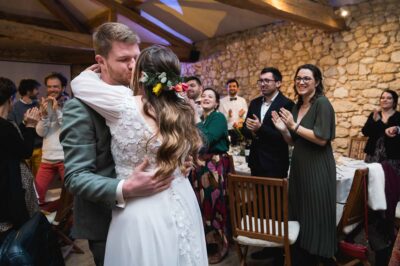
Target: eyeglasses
[
  {"x": 265, "y": 81},
  {"x": 304, "y": 79}
]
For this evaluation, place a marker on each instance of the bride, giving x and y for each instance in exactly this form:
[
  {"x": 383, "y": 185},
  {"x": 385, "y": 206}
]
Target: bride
[{"x": 165, "y": 228}]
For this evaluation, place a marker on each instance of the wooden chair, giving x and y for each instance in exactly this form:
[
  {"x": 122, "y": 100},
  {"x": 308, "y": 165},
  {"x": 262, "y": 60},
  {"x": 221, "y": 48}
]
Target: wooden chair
[
  {"x": 231, "y": 165},
  {"x": 356, "y": 149},
  {"x": 259, "y": 214},
  {"x": 354, "y": 210},
  {"x": 62, "y": 222}
]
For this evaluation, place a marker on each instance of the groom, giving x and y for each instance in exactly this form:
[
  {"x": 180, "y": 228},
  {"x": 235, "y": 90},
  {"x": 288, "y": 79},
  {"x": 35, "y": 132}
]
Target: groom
[{"x": 89, "y": 167}]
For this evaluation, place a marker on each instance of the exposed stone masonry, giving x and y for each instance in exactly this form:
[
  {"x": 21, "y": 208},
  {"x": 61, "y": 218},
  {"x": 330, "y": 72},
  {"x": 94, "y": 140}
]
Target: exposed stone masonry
[{"x": 357, "y": 64}]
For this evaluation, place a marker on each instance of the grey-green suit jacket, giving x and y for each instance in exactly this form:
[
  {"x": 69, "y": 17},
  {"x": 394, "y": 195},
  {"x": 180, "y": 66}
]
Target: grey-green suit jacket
[{"x": 89, "y": 169}]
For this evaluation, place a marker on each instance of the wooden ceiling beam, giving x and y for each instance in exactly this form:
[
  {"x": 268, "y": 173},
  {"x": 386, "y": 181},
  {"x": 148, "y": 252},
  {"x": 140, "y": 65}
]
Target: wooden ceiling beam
[
  {"x": 47, "y": 37},
  {"x": 41, "y": 22},
  {"x": 301, "y": 11},
  {"x": 42, "y": 56},
  {"x": 175, "y": 41},
  {"x": 64, "y": 15},
  {"x": 108, "y": 15},
  {"x": 132, "y": 4}
]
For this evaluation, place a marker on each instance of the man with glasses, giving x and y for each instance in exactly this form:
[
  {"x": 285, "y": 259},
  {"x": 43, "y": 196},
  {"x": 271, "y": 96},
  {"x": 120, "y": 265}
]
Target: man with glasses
[{"x": 269, "y": 154}]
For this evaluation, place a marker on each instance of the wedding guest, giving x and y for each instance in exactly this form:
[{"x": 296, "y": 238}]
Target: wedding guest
[
  {"x": 310, "y": 127},
  {"x": 379, "y": 146},
  {"x": 234, "y": 108},
  {"x": 49, "y": 127},
  {"x": 269, "y": 153},
  {"x": 17, "y": 198},
  {"x": 28, "y": 90},
  {"x": 195, "y": 88},
  {"x": 383, "y": 146},
  {"x": 209, "y": 180}
]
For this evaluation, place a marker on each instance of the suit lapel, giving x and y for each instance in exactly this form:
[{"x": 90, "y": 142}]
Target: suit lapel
[{"x": 257, "y": 109}]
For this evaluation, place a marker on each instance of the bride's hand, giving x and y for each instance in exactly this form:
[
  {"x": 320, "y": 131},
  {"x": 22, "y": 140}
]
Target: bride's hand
[{"x": 95, "y": 68}]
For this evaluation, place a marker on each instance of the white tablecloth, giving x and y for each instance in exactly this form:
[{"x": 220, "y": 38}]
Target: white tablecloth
[{"x": 345, "y": 169}]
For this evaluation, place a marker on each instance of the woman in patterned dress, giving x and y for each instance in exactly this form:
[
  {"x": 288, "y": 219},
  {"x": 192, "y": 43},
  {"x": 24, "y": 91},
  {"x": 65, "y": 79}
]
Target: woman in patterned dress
[{"x": 209, "y": 179}]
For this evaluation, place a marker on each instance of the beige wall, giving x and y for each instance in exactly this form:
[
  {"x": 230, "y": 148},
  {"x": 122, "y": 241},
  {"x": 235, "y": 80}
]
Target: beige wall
[
  {"x": 23, "y": 70},
  {"x": 357, "y": 64}
]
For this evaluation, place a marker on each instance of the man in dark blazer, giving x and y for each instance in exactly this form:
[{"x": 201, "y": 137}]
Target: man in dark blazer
[{"x": 269, "y": 155}]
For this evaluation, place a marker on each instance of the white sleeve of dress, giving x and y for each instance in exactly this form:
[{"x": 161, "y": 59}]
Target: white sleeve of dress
[{"x": 107, "y": 100}]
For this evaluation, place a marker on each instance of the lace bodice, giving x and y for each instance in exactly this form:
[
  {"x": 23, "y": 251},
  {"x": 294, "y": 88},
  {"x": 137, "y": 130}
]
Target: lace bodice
[{"x": 131, "y": 140}]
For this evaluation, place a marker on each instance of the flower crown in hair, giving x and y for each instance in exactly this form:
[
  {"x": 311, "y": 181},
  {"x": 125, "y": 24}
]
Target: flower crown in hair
[{"x": 163, "y": 81}]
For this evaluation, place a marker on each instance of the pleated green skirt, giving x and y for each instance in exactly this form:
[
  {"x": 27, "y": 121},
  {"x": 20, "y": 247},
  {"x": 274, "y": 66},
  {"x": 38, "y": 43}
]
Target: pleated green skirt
[{"x": 312, "y": 197}]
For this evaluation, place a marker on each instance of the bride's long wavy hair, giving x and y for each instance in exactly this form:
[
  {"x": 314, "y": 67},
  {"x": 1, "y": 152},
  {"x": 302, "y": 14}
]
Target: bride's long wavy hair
[{"x": 173, "y": 115}]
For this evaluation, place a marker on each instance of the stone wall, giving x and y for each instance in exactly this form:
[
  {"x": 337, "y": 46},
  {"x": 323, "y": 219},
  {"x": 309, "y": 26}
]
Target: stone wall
[{"x": 357, "y": 64}]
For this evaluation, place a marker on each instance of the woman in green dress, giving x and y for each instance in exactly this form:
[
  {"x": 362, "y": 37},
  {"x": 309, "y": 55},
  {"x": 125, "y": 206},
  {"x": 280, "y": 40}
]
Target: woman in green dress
[
  {"x": 209, "y": 179},
  {"x": 312, "y": 190}
]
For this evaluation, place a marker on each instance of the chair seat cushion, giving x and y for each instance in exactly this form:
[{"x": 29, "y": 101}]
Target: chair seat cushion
[
  {"x": 339, "y": 213},
  {"x": 293, "y": 227}
]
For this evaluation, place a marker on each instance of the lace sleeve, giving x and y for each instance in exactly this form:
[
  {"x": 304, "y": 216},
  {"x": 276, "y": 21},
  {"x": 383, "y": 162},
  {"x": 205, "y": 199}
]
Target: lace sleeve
[{"x": 107, "y": 100}]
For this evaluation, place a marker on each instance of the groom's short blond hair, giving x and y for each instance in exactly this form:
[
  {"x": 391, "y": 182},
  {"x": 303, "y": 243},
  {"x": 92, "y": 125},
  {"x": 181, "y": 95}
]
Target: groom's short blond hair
[{"x": 110, "y": 32}]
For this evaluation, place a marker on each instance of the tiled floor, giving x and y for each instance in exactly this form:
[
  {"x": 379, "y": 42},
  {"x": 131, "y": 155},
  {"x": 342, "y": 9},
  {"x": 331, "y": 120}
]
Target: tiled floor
[{"x": 231, "y": 260}]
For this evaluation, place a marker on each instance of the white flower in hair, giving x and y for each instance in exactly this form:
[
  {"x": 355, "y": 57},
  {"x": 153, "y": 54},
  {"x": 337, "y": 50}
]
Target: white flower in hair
[
  {"x": 163, "y": 77},
  {"x": 144, "y": 77}
]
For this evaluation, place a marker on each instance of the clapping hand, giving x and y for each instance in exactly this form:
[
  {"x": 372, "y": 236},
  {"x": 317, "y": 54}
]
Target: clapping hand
[
  {"x": 287, "y": 118},
  {"x": 376, "y": 116},
  {"x": 241, "y": 112},
  {"x": 43, "y": 107},
  {"x": 279, "y": 124},
  {"x": 253, "y": 124},
  {"x": 31, "y": 117},
  {"x": 392, "y": 131},
  {"x": 44, "y": 103}
]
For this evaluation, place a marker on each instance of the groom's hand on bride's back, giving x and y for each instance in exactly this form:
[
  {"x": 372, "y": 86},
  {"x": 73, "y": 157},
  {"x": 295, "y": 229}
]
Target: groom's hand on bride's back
[{"x": 142, "y": 183}]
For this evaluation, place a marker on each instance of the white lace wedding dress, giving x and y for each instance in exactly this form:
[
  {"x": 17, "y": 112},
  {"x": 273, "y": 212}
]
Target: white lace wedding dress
[{"x": 163, "y": 229}]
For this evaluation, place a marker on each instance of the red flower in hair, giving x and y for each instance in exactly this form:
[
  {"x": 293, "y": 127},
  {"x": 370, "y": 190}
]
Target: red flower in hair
[{"x": 180, "y": 87}]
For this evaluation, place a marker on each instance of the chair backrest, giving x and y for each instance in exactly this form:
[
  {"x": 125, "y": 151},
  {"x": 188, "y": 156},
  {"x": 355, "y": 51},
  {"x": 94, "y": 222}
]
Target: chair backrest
[
  {"x": 64, "y": 209},
  {"x": 259, "y": 207},
  {"x": 356, "y": 148},
  {"x": 354, "y": 209},
  {"x": 231, "y": 165}
]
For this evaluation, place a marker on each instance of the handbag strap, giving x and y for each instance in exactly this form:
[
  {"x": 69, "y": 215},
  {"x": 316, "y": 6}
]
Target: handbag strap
[{"x": 365, "y": 207}]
